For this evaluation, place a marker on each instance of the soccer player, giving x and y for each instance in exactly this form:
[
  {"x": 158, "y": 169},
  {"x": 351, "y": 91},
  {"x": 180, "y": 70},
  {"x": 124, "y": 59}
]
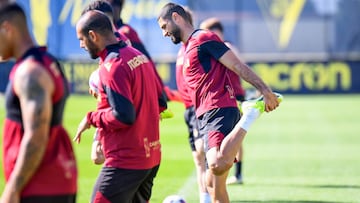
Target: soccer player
[
  {"x": 125, "y": 28},
  {"x": 127, "y": 113},
  {"x": 207, "y": 61},
  {"x": 38, "y": 158},
  {"x": 137, "y": 43},
  {"x": 214, "y": 25},
  {"x": 105, "y": 7},
  {"x": 195, "y": 139}
]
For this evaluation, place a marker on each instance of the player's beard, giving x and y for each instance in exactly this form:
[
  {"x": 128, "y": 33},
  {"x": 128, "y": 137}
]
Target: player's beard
[
  {"x": 92, "y": 49},
  {"x": 176, "y": 35}
]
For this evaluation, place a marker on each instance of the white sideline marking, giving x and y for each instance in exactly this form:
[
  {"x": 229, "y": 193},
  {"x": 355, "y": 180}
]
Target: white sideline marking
[{"x": 188, "y": 187}]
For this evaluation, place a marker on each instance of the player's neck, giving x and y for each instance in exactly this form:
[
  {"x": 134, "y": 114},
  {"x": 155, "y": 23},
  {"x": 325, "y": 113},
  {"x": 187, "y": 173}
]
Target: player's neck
[
  {"x": 22, "y": 46},
  {"x": 188, "y": 31}
]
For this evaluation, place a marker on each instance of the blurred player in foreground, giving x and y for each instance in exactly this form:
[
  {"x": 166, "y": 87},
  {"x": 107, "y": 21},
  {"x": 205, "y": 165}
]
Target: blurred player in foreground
[
  {"x": 127, "y": 114},
  {"x": 214, "y": 25},
  {"x": 207, "y": 61},
  {"x": 39, "y": 161}
]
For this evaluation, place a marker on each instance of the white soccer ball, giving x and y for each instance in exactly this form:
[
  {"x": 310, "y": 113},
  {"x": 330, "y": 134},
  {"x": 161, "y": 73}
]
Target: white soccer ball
[
  {"x": 174, "y": 199},
  {"x": 94, "y": 81}
]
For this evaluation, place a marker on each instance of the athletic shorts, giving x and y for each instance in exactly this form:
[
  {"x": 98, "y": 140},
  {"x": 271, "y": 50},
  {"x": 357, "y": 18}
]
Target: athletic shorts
[
  {"x": 216, "y": 124},
  {"x": 124, "y": 185},
  {"x": 192, "y": 124},
  {"x": 46, "y": 199}
]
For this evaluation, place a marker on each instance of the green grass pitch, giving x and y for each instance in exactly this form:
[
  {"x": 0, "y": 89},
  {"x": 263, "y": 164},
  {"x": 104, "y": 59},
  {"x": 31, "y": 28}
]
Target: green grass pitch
[{"x": 308, "y": 150}]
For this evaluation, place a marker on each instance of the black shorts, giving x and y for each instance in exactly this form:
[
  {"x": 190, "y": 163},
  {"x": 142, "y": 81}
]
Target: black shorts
[
  {"x": 47, "y": 199},
  {"x": 124, "y": 185},
  {"x": 192, "y": 124},
  {"x": 216, "y": 124}
]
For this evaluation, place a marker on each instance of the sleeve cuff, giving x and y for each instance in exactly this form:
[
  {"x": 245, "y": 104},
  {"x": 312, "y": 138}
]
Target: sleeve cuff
[{"x": 88, "y": 118}]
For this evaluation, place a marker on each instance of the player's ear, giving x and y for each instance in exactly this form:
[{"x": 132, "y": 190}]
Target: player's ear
[
  {"x": 92, "y": 35},
  {"x": 4, "y": 27},
  {"x": 175, "y": 17}
]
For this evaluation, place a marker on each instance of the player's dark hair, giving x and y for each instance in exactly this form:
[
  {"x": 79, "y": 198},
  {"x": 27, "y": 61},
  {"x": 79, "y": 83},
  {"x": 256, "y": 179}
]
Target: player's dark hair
[
  {"x": 99, "y": 5},
  {"x": 189, "y": 14},
  {"x": 96, "y": 21},
  {"x": 118, "y": 3},
  {"x": 12, "y": 12},
  {"x": 170, "y": 8},
  {"x": 216, "y": 25}
]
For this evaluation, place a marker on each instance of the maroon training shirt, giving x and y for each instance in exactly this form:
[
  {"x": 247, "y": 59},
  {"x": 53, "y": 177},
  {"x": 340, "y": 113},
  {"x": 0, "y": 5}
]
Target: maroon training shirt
[{"x": 57, "y": 173}]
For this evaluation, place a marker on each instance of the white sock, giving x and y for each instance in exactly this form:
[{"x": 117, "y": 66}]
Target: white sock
[
  {"x": 205, "y": 197},
  {"x": 248, "y": 118}
]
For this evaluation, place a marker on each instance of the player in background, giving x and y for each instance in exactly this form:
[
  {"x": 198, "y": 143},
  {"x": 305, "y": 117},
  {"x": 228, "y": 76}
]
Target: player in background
[
  {"x": 38, "y": 158},
  {"x": 125, "y": 28},
  {"x": 214, "y": 25},
  {"x": 127, "y": 114},
  {"x": 105, "y": 7},
  {"x": 137, "y": 43},
  {"x": 206, "y": 63},
  {"x": 195, "y": 139}
]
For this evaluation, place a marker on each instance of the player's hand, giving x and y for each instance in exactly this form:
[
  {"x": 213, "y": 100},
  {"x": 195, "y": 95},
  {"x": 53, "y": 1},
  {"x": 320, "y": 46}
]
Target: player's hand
[
  {"x": 271, "y": 102},
  {"x": 83, "y": 125},
  {"x": 93, "y": 93}
]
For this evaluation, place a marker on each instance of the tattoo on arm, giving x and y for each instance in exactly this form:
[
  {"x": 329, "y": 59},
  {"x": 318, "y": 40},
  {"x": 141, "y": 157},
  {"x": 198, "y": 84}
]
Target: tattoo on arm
[
  {"x": 35, "y": 121},
  {"x": 248, "y": 75},
  {"x": 34, "y": 92}
]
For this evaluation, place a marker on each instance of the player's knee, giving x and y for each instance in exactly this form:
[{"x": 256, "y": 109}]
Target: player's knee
[{"x": 219, "y": 169}]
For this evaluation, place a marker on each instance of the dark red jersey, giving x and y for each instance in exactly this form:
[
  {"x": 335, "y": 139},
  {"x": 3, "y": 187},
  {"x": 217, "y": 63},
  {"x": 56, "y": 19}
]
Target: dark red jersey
[
  {"x": 236, "y": 82},
  {"x": 208, "y": 79},
  {"x": 57, "y": 173},
  {"x": 180, "y": 82},
  {"x": 128, "y": 109},
  {"x": 122, "y": 37}
]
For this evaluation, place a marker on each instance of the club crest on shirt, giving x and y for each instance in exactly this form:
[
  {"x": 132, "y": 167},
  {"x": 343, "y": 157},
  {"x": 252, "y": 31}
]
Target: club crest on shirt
[
  {"x": 186, "y": 65},
  {"x": 107, "y": 66}
]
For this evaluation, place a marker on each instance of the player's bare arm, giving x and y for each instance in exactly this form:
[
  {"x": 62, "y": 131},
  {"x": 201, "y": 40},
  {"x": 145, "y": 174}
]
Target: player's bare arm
[
  {"x": 232, "y": 62},
  {"x": 33, "y": 85}
]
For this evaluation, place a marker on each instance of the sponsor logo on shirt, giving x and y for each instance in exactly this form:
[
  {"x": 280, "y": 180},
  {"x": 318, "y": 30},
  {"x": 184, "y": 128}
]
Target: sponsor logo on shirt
[{"x": 137, "y": 61}]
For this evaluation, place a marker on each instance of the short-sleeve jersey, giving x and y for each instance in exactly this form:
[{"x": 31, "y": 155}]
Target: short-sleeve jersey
[
  {"x": 236, "y": 82},
  {"x": 180, "y": 82},
  {"x": 57, "y": 172},
  {"x": 208, "y": 80},
  {"x": 128, "y": 86}
]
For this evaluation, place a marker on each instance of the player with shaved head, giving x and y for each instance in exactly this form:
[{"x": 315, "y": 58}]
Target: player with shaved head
[{"x": 127, "y": 113}]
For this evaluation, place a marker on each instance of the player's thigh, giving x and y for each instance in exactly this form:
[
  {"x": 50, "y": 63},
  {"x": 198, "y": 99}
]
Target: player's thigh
[{"x": 216, "y": 124}]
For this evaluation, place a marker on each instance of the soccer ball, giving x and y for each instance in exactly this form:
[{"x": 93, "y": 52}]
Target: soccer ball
[
  {"x": 94, "y": 81},
  {"x": 174, "y": 199}
]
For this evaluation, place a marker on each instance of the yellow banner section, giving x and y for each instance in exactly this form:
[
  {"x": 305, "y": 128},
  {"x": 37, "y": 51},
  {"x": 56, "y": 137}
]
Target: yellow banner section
[{"x": 300, "y": 76}]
